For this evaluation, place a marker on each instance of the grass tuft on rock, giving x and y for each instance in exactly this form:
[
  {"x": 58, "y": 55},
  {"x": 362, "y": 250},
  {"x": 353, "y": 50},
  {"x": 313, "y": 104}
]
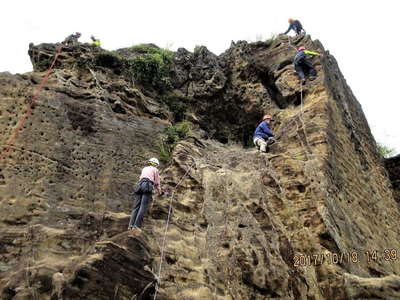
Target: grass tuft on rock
[
  {"x": 174, "y": 134},
  {"x": 385, "y": 151}
]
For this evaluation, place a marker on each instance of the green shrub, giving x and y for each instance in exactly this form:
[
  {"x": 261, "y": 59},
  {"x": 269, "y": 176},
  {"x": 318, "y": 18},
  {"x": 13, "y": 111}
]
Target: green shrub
[
  {"x": 109, "y": 60},
  {"x": 152, "y": 66},
  {"x": 150, "y": 49},
  {"x": 165, "y": 151},
  {"x": 183, "y": 129},
  {"x": 385, "y": 151},
  {"x": 174, "y": 134},
  {"x": 176, "y": 105}
]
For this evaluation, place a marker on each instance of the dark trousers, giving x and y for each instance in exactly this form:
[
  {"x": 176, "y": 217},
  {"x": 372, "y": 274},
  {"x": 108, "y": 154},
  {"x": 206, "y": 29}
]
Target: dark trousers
[
  {"x": 142, "y": 202},
  {"x": 304, "y": 68}
]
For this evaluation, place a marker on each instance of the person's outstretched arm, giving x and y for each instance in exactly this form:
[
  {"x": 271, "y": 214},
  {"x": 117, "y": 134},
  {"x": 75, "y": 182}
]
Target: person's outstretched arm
[
  {"x": 290, "y": 27},
  {"x": 157, "y": 182}
]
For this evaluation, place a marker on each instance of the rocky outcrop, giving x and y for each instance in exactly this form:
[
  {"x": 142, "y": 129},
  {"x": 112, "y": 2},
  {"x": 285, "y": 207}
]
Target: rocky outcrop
[
  {"x": 392, "y": 165},
  {"x": 315, "y": 218}
]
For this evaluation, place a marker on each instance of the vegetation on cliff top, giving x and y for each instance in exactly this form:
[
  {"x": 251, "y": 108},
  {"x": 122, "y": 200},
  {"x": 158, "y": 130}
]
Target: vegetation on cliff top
[
  {"x": 149, "y": 65},
  {"x": 385, "y": 151},
  {"x": 152, "y": 66}
]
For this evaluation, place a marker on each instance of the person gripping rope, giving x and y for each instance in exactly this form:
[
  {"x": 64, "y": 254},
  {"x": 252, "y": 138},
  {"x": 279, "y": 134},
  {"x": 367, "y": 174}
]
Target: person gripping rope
[
  {"x": 263, "y": 136},
  {"x": 303, "y": 66},
  {"x": 148, "y": 181}
]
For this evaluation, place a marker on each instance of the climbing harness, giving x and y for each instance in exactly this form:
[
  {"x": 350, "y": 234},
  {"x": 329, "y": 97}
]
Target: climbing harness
[
  {"x": 28, "y": 113},
  {"x": 158, "y": 283}
]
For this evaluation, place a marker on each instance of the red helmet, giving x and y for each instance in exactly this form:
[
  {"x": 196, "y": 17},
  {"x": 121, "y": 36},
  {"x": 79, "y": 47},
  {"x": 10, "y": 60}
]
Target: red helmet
[{"x": 301, "y": 48}]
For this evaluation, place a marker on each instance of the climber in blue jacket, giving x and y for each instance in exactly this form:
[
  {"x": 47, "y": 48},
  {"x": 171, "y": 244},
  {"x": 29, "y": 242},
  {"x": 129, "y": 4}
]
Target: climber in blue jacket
[
  {"x": 295, "y": 25},
  {"x": 263, "y": 136}
]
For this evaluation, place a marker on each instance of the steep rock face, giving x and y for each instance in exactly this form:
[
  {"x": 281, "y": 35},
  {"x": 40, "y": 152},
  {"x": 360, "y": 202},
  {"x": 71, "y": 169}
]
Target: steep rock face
[
  {"x": 301, "y": 222},
  {"x": 392, "y": 165}
]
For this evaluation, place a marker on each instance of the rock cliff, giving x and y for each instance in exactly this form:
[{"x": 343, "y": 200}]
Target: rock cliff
[
  {"x": 392, "y": 165},
  {"x": 315, "y": 218}
]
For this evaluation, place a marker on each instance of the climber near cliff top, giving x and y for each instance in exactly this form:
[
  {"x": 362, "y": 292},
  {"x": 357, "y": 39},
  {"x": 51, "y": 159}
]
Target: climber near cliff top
[
  {"x": 149, "y": 179},
  {"x": 95, "y": 42},
  {"x": 72, "y": 39},
  {"x": 303, "y": 66},
  {"x": 263, "y": 136},
  {"x": 296, "y": 26}
]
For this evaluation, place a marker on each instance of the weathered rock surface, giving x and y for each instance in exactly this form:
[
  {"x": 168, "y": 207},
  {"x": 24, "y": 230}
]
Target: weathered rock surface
[
  {"x": 392, "y": 165},
  {"x": 315, "y": 218}
]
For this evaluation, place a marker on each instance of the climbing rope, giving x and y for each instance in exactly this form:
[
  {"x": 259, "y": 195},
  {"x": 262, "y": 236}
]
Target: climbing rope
[
  {"x": 297, "y": 115},
  {"x": 301, "y": 98},
  {"x": 158, "y": 283},
  {"x": 28, "y": 113},
  {"x": 303, "y": 125}
]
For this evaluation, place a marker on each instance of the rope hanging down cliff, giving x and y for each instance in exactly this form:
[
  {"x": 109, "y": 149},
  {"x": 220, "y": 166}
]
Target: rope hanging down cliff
[
  {"x": 297, "y": 115},
  {"x": 166, "y": 228},
  {"x": 7, "y": 146}
]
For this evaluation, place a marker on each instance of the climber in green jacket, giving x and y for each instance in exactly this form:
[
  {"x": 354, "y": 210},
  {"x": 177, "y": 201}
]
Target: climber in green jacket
[{"x": 95, "y": 42}]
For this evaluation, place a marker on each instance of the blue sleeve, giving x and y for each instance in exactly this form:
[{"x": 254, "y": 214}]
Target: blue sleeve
[
  {"x": 263, "y": 131},
  {"x": 266, "y": 130},
  {"x": 259, "y": 132},
  {"x": 290, "y": 27}
]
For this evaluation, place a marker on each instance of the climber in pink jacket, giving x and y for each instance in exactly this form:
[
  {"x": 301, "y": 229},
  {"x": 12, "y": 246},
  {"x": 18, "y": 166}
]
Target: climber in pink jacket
[{"x": 148, "y": 181}]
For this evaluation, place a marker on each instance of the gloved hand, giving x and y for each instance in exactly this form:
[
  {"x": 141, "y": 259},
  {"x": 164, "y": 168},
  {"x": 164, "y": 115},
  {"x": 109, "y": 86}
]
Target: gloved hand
[{"x": 271, "y": 140}]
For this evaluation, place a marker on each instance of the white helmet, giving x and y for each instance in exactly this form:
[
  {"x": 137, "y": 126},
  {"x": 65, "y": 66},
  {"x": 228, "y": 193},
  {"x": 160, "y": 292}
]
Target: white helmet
[{"x": 154, "y": 161}]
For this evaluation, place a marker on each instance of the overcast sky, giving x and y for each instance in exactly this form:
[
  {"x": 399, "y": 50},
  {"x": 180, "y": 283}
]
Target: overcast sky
[{"x": 362, "y": 35}]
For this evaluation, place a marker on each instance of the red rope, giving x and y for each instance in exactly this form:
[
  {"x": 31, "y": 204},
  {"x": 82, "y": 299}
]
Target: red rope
[{"x": 28, "y": 113}]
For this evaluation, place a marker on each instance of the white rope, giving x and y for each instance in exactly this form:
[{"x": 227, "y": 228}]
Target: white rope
[
  {"x": 166, "y": 230},
  {"x": 303, "y": 123},
  {"x": 301, "y": 99}
]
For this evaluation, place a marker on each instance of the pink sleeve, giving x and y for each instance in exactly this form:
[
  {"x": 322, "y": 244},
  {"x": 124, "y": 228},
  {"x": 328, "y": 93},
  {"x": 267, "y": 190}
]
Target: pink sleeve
[{"x": 157, "y": 180}]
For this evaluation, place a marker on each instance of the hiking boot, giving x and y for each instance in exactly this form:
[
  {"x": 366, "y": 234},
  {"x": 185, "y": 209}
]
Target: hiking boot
[
  {"x": 137, "y": 229},
  {"x": 312, "y": 78},
  {"x": 263, "y": 148}
]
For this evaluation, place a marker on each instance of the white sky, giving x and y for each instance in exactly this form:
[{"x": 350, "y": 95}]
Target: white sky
[{"x": 362, "y": 35}]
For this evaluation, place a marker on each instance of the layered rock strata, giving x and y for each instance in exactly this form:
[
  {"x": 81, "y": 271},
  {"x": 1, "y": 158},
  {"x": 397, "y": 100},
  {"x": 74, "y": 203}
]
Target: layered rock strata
[{"x": 315, "y": 218}]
